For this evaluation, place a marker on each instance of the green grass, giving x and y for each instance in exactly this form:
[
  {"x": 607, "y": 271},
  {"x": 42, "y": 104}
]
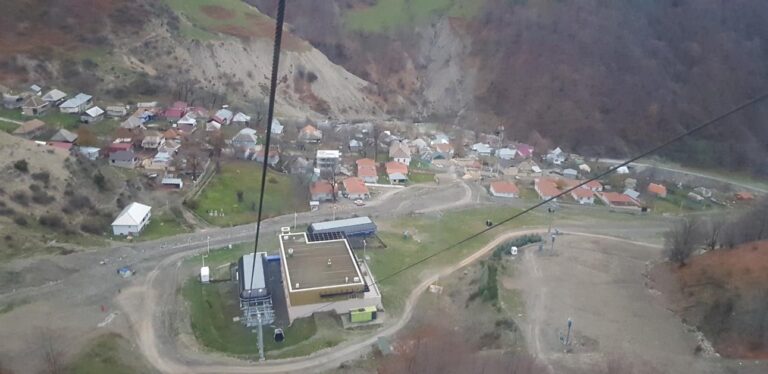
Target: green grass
[
  {"x": 163, "y": 225},
  {"x": 221, "y": 194},
  {"x": 8, "y": 126},
  {"x": 421, "y": 177},
  {"x": 14, "y": 114},
  {"x": 428, "y": 235},
  {"x": 7, "y": 308},
  {"x": 212, "y": 307},
  {"x": 202, "y": 26},
  {"x": 388, "y": 15},
  {"x": 110, "y": 353}
]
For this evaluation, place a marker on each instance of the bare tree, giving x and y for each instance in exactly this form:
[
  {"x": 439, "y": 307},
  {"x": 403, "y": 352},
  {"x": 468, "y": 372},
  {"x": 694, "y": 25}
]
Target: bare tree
[
  {"x": 713, "y": 229},
  {"x": 682, "y": 239}
]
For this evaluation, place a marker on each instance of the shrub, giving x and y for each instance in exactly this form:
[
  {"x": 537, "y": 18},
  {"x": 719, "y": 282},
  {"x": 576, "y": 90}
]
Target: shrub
[
  {"x": 42, "y": 198},
  {"x": 20, "y": 220},
  {"x": 42, "y": 176},
  {"x": 20, "y": 197},
  {"x": 21, "y": 165},
  {"x": 79, "y": 202},
  {"x": 100, "y": 181},
  {"x": 5, "y": 211},
  {"x": 51, "y": 220},
  {"x": 34, "y": 188},
  {"x": 191, "y": 204},
  {"x": 92, "y": 227},
  {"x": 272, "y": 180}
]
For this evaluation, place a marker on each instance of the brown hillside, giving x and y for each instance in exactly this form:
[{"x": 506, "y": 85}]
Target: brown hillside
[{"x": 725, "y": 294}]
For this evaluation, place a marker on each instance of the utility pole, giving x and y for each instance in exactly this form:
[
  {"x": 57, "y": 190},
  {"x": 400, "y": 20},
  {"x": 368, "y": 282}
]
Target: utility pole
[
  {"x": 208, "y": 240},
  {"x": 365, "y": 244},
  {"x": 203, "y": 258},
  {"x": 295, "y": 217},
  {"x": 261, "y": 339}
]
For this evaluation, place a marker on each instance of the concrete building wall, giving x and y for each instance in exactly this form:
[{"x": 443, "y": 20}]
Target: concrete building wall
[{"x": 340, "y": 307}]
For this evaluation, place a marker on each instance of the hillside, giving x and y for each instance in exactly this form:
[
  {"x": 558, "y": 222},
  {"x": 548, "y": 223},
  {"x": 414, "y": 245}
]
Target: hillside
[
  {"x": 597, "y": 77},
  {"x": 725, "y": 294},
  {"x": 49, "y": 199},
  {"x": 204, "y": 52}
]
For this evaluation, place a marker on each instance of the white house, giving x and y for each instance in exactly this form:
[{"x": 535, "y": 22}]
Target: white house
[
  {"x": 92, "y": 115},
  {"x": 277, "y": 127},
  {"x": 570, "y": 173},
  {"x": 400, "y": 152},
  {"x": 556, "y": 156},
  {"x": 482, "y": 149},
  {"x": 583, "y": 196},
  {"x": 504, "y": 189},
  {"x": 77, "y": 104},
  {"x": 132, "y": 219},
  {"x": 54, "y": 96},
  {"x": 506, "y": 153}
]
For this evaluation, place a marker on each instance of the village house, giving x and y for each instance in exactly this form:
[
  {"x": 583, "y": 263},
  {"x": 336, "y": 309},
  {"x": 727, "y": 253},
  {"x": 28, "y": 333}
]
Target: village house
[
  {"x": 30, "y": 129},
  {"x": 583, "y": 196},
  {"x": 54, "y": 97},
  {"x": 34, "y": 106},
  {"x": 241, "y": 119},
  {"x": 327, "y": 159},
  {"x": 36, "y": 90},
  {"x": 366, "y": 170},
  {"x": 594, "y": 186},
  {"x": 355, "y": 189},
  {"x": 482, "y": 149},
  {"x": 546, "y": 188},
  {"x": 171, "y": 134},
  {"x": 223, "y": 116},
  {"x": 299, "y": 166},
  {"x": 355, "y": 145},
  {"x": 91, "y": 153},
  {"x": 245, "y": 138},
  {"x": 570, "y": 173},
  {"x": 60, "y": 145},
  {"x": 188, "y": 124},
  {"x": 132, "y": 219},
  {"x": 169, "y": 146},
  {"x": 619, "y": 200},
  {"x": 443, "y": 151},
  {"x": 172, "y": 181},
  {"x": 321, "y": 190},
  {"x": 176, "y": 111},
  {"x": 400, "y": 152},
  {"x": 277, "y": 127},
  {"x": 310, "y": 134},
  {"x": 120, "y": 144},
  {"x": 528, "y": 168},
  {"x": 396, "y": 172},
  {"x": 124, "y": 159},
  {"x": 64, "y": 135},
  {"x": 13, "y": 101},
  {"x": 274, "y": 156},
  {"x": 117, "y": 111},
  {"x": 132, "y": 122},
  {"x": 506, "y": 153},
  {"x": 419, "y": 146},
  {"x": 657, "y": 190},
  {"x": 504, "y": 189},
  {"x": 77, "y": 104},
  {"x": 152, "y": 140},
  {"x": 92, "y": 115},
  {"x": 556, "y": 156},
  {"x": 524, "y": 151}
]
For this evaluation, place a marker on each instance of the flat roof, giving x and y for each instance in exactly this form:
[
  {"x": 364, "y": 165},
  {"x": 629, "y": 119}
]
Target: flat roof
[
  {"x": 340, "y": 223},
  {"x": 328, "y": 153},
  {"x": 306, "y": 263},
  {"x": 256, "y": 272}
]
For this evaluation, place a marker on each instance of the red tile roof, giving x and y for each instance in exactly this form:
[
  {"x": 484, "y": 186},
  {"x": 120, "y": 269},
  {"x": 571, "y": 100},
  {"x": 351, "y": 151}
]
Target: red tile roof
[
  {"x": 366, "y": 162},
  {"x": 396, "y": 167},
  {"x": 174, "y": 113},
  {"x": 657, "y": 189},
  {"x": 582, "y": 193},
  {"x": 445, "y": 148},
  {"x": 594, "y": 185},
  {"x": 744, "y": 196},
  {"x": 320, "y": 187},
  {"x": 355, "y": 186},
  {"x": 366, "y": 171},
  {"x": 504, "y": 187},
  {"x": 615, "y": 198},
  {"x": 547, "y": 187}
]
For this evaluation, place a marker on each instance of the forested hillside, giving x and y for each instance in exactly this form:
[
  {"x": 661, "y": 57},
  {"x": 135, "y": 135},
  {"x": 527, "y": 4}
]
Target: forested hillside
[{"x": 599, "y": 77}]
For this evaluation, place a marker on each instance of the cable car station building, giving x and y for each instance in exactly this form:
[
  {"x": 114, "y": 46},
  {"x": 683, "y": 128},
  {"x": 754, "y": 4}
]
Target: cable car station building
[{"x": 323, "y": 275}]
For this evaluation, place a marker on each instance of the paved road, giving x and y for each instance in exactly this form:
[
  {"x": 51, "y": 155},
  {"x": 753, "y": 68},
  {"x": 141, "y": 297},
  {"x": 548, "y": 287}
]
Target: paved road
[
  {"x": 11, "y": 120},
  {"x": 611, "y": 161}
]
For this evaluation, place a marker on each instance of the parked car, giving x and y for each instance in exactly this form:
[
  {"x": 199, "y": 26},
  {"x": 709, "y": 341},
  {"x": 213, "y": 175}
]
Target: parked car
[{"x": 359, "y": 202}]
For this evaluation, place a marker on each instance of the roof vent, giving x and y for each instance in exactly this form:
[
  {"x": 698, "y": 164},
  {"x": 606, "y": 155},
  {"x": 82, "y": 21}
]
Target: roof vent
[
  {"x": 290, "y": 252},
  {"x": 329, "y": 262},
  {"x": 356, "y": 279},
  {"x": 346, "y": 279},
  {"x": 297, "y": 285}
]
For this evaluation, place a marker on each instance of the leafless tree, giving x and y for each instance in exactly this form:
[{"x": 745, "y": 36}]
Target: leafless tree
[
  {"x": 713, "y": 229},
  {"x": 260, "y": 112},
  {"x": 682, "y": 239}
]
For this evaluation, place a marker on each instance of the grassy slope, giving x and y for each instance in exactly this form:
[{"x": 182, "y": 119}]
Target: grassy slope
[
  {"x": 428, "y": 235},
  {"x": 201, "y": 26},
  {"x": 390, "y": 14},
  {"x": 221, "y": 193},
  {"x": 109, "y": 353},
  {"x": 163, "y": 225}
]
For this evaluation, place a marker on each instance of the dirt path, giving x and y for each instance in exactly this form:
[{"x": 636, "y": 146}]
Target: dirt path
[
  {"x": 10, "y": 120},
  {"x": 143, "y": 304}
]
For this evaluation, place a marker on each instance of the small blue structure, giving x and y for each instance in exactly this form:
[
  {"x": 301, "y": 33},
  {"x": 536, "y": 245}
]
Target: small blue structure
[{"x": 124, "y": 272}]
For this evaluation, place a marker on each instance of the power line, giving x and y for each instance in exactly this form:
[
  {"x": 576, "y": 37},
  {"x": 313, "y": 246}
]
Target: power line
[
  {"x": 675, "y": 139},
  {"x": 268, "y": 135}
]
